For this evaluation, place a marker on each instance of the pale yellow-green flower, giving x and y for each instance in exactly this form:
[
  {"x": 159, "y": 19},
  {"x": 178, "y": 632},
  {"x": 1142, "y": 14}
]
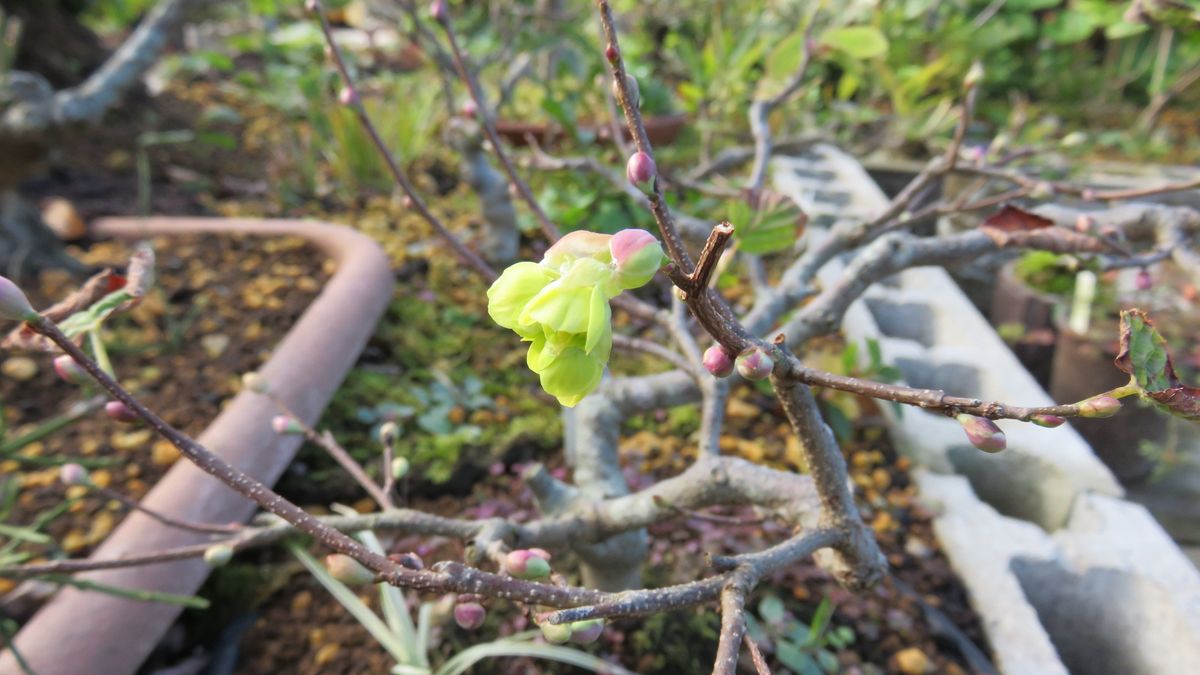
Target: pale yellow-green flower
[{"x": 560, "y": 305}]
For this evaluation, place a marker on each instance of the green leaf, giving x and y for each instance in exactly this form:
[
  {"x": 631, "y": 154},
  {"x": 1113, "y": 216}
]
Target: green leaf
[
  {"x": 1069, "y": 27},
  {"x": 771, "y": 609},
  {"x": 348, "y": 599},
  {"x": 796, "y": 659},
  {"x": 519, "y": 645},
  {"x": 860, "y": 42},
  {"x": 1145, "y": 358}
]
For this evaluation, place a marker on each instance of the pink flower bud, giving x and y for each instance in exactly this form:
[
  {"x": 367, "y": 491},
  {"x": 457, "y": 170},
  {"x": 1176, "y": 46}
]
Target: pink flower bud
[
  {"x": 1099, "y": 406},
  {"x": 527, "y": 564},
  {"x": 348, "y": 570},
  {"x": 1048, "y": 421},
  {"x": 469, "y": 110},
  {"x": 1084, "y": 223},
  {"x": 73, "y": 474},
  {"x": 586, "y": 632},
  {"x": 120, "y": 412},
  {"x": 610, "y": 53},
  {"x": 14, "y": 306},
  {"x": 285, "y": 425},
  {"x": 347, "y": 96},
  {"x": 983, "y": 433},
  {"x": 256, "y": 383},
  {"x": 409, "y": 203},
  {"x": 469, "y": 615},
  {"x": 69, "y": 371},
  {"x": 1144, "y": 281},
  {"x": 637, "y": 256},
  {"x": 754, "y": 364},
  {"x": 556, "y": 633},
  {"x": 312, "y": 6},
  {"x": 437, "y": 10},
  {"x": 640, "y": 169},
  {"x": 718, "y": 361}
]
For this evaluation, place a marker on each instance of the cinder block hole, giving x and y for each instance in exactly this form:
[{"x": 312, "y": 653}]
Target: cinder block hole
[
  {"x": 822, "y": 175},
  {"x": 1106, "y": 620},
  {"x": 908, "y": 320},
  {"x": 957, "y": 379},
  {"x": 1018, "y": 485}
]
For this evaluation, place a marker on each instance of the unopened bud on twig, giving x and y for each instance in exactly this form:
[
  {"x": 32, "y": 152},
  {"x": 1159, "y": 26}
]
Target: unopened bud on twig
[
  {"x": 69, "y": 371},
  {"x": 437, "y": 10},
  {"x": 640, "y": 170},
  {"x": 754, "y": 364},
  {"x": 348, "y": 570},
  {"x": 610, "y": 53},
  {"x": 1143, "y": 280},
  {"x": 983, "y": 433},
  {"x": 400, "y": 467},
  {"x": 14, "y": 306},
  {"x": 218, "y": 555},
  {"x": 388, "y": 433},
  {"x": 528, "y": 564},
  {"x": 585, "y": 632},
  {"x": 718, "y": 361},
  {"x": 556, "y": 633},
  {"x": 347, "y": 96},
  {"x": 285, "y": 425},
  {"x": 1099, "y": 406},
  {"x": 1048, "y": 421},
  {"x": 469, "y": 615},
  {"x": 120, "y": 412},
  {"x": 254, "y": 382},
  {"x": 631, "y": 88},
  {"x": 312, "y": 6},
  {"x": 469, "y": 110},
  {"x": 73, "y": 474}
]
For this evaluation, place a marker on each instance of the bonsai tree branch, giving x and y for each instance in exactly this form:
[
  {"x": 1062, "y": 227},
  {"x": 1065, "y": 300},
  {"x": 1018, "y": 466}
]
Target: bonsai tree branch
[{"x": 88, "y": 101}]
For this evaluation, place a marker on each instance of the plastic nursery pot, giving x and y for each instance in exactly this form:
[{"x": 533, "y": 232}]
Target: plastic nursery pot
[
  {"x": 662, "y": 130},
  {"x": 1030, "y": 312},
  {"x": 1082, "y": 367},
  {"x": 87, "y": 632}
]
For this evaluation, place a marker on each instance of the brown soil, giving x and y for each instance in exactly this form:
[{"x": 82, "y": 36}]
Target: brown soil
[{"x": 220, "y": 306}]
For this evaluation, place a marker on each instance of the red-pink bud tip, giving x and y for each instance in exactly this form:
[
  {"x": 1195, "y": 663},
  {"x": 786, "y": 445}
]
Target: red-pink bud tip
[
  {"x": 69, "y": 371},
  {"x": 1099, "y": 406},
  {"x": 120, "y": 412},
  {"x": 527, "y": 564},
  {"x": 437, "y": 10},
  {"x": 1144, "y": 281},
  {"x": 1048, "y": 421},
  {"x": 610, "y": 53},
  {"x": 628, "y": 243},
  {"x": 983, "y": 433},
  {"x": 284, "y": 424},
  {"x": 469, "y": 110},
  {"x": 469, "y": 615},
  {"x": 754, "y": 364},
  {"x": 640, "y": 169},
  {"x": 347, "y": 96},
  {"x": 718, "y": 361}
]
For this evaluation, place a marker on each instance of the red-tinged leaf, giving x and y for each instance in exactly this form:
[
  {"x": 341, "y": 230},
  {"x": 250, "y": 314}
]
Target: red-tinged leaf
[
  {"x": 1015, "y": 219},
  {"x": 1145, "y": 358}
]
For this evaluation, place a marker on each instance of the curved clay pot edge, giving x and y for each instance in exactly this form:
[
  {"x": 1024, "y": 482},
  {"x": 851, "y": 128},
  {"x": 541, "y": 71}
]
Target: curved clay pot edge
[{"x": 79, "y": 632}]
